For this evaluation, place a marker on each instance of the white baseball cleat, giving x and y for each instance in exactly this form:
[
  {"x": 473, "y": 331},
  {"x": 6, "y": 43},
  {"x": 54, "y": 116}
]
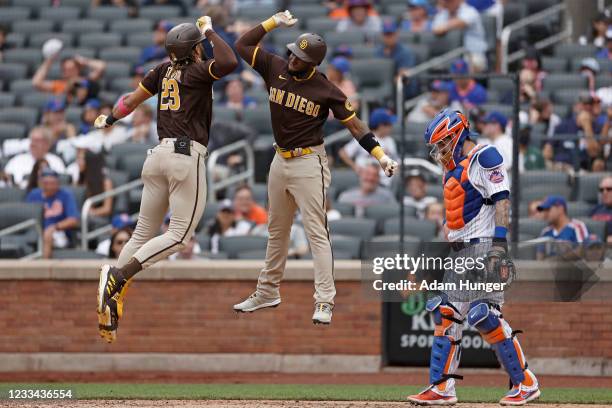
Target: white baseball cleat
[
  {"x": 256, "y": 302},
  {"x": 322, "y": 313}
]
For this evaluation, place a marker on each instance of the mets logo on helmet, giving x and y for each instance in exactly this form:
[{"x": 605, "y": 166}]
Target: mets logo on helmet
[{"x": 303, "y": 44}]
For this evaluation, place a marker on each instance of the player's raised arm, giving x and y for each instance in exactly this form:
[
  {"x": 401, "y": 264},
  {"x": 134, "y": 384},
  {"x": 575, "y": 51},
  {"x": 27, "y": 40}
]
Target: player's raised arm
[
  {"x": 225, "y": 61},
  {"x": 246, "y": 45},
  {"x": 367, "y": 140},
  {"x": 125, "y": 106}
]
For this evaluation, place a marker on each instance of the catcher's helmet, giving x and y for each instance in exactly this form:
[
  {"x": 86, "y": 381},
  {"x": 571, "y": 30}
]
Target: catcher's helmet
[
  {"x": 452, "y": 125},
  {"x": 181, "y": 40},
  {"x": 309, "y": 47}
]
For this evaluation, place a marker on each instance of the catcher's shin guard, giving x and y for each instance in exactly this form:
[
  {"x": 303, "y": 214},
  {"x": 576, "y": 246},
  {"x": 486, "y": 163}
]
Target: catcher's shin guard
[
  {"x": 500, "y": 336},
  {"x": 446, "y": 348}
]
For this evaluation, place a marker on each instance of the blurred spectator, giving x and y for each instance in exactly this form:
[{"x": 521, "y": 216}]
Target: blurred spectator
[
  {"x": 430, "y": 104},
  {"x": 369, "y": 191},
  {"x": 343, "y": 50},
  {"x": 435, "y": 212},
  {"x": 246, "y": 208},
  {"x": 417, "y": 197},
  {"x": 332, "y": 213},
  {"x": 81, "y": 91},
  {"x": 495, "y": 134},
  {"x": 234, "y": 97},
  {"x": 392, "y": 48},
  {"x": 143, "y": 127},
  {"x": 600, "y": 26},
  {"x": 531, "y": 76},
  {"x": 457, "y": 15},
  {"x": 568, "y": 232},
  {"x": 530, "y": 157},
  {"x": 177, "y": 3},
  {"x": 3, "y": 44},
  {"x": 589, "y": 68},
  {"x": 91, "y": 110},
  {"x": 54, "y": 119},
  {"x": 226, "y": 224},
  {"x": 465, "y": 90},
  {"x": 476, "y": 117},
  {"x": 157, "y": 51},
  {"x": 72, "y": 68},
  {"x": 603, "y": 210},
  {"x": 60, "y": 211},
  {"x": 118, "y": 222},
  {"x": 337, "y": 73},
  {"x": 20, "y": 166},
  {"x": 360, "y": 20},
  {"x": 88, "y": 171},
  {"x": 418, "y": 20},
  {"x": 98, "y": 140},
  {"x": 34, "y": 176},
  {"x": 532, "y": 210},
  {"x": 118, "y": 241},
  {"x": 606, "y": 51},
  {"x": 541, "y": 111},
  {"x": 191, "y": 251},
  {"x": 381, "y": 123},
  {"x": 131, "y": 5}
]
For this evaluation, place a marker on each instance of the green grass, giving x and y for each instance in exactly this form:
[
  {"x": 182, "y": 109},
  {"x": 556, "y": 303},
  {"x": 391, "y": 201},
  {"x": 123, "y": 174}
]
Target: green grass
[{"x": 297, "y": 392}]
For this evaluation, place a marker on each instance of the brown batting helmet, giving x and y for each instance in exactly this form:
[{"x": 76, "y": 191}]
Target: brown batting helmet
[
  {"x": 309, "y": 47},
  {"x": 181, "y": 40}
]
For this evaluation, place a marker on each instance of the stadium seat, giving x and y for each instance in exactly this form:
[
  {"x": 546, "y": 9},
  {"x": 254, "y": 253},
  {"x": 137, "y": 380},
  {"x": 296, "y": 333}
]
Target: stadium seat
[
  {"x": 73, "y": 114},
  {"x": 540, "y": 192},
  {"x": 513, "y": 11},
  {"x": 29, "y": 27},
  {"x": 507, "y": 110},
  {"x": 321, "y": 25},
  {"x": 502, "y": 85},
  {"x": 235, "y": 245},
  {"x": 20, "y": 85},
  {"x": 334, "y": 39},
  {"x": 38, "y": 38},
  {"x": 382, "y": 212},
  {"x": 13, "y": 71},
  {"x": 12, "y": 131},
  {"x": 554, "y": 64},
  {"x": 83, "y": 26},
  {"x": 141, "y": 40},
  {"x": 14, "y": 213},
  {"x": 349, "y": 246},
  {"x": 157, "y": 13},
  {"x": 132, "y": 165},
  {"x": 259, "y": 119},
  {"x": 33, "y": 5},
  {"x": 99, "y": 40},
  {"x": 120, "y": 202},
  {"x": 345, "y": 209},
  {"x": 12, "y": 14},
  {"x": 71, "y": 52},
  {"x": 108, "y": 13},
  {"x": 121, "y": 84},
  {"x": 395, "y": 9},
  {"x": 59, "y": 14},
  {"x": 82, "y": 4},
  {"x": 595, "y": 227},
  {"x": 115, "y": 69},
  {"x": 36, "y": 100},
  {"x": 306, "y": 12},
  {"x": 131, "y": 55},
  {"x": 25, "y": 116},
  {"x": 32, "y": 57},
  {"x": 252, "y": 254},
  {"x": 420, "y": 51},
  {"x": 282, "y": 37},
  {"x": 439, "y": 45},
  {"x": 588, "y": 186},
  {"x": 530, "y": 227},
  {"x": 555, "y": 82},
  {"x": 566, "y": 96},
  {"x": 574, "y": 50},
  {"x": 389, "y": 245},
  {"x": 131, "y": 26},
  {"x": 15, "y": 40},
  {"x": 7, "y": 99},
  {"x": 603, "y": 81},
  {"x": 75, "y": 254},
  {"x": 11, "y": 195},
  {"x": 361, "y": 51},
  {"x": 577, "y": 209},
  {"x": 373, "y": 74},
  {"x": 424, "y": 229},
  {"x": 344, "y": 179},
  {"x": 353, "y": 227},
  {"x": 259, "y": 13},
  {"x": 530, "y": 179}
]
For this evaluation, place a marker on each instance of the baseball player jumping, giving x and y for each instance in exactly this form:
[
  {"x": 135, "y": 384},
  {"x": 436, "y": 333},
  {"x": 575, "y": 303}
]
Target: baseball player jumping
[
  {"x": 174, "y": 173},
  {"x": 476, "y": 197},
  {"x": 300, "y": 99}
]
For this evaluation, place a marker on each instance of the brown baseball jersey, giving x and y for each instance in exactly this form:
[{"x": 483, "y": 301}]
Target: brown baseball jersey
[
  {"x": 184, "y": 101},
  {"x": 299, "y": 106}
]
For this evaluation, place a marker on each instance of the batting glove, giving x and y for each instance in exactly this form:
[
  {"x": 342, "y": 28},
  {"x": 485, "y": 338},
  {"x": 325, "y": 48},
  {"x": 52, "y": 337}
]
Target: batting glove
[
  {"x": 101, "y": 122},
  {"x": 389, "y": 165},
  {"x": 284, "y": 19},
  {"x": 204, "y": 24}
]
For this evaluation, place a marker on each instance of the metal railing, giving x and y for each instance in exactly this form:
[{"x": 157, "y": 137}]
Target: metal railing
[
  {"x": 506, "y": 59},
  {"x": 87, "y": 235},
  {"x": 424, "y": 164},
  {"x": 23, "y": 225},
  {"x": 248, "y": 174}
]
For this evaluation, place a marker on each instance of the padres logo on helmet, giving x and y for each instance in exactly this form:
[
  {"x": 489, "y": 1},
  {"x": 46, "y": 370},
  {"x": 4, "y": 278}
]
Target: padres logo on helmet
[
  {"x": 303, "y": 44},
  {"x": 309, "y": 48}
]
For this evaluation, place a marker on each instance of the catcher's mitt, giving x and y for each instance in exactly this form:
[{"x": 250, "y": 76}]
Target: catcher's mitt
[{"x": 500, "y": 265}]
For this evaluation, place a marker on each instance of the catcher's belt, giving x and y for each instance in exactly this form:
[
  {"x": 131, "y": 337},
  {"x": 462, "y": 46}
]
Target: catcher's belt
[
  {"x": 291, "y": 153},
  {"x": 459, "y": 245}
]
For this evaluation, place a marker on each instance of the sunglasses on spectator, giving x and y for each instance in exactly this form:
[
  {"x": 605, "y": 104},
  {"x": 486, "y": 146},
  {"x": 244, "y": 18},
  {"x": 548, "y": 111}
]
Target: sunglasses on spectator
[
  {"x": 602, "y": 189},
  {"x": 120, "y": 242}
]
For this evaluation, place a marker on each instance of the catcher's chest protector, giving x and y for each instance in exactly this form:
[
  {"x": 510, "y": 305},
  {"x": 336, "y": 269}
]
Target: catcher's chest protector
[{"x": 461, "y": 200}]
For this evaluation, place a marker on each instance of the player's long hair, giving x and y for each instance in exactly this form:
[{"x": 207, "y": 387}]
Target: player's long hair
[{"x": 178, "y": 65}]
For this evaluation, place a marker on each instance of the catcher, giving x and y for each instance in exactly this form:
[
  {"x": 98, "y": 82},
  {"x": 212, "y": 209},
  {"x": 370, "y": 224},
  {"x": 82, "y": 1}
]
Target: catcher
[{"x": 476, "y": 197}]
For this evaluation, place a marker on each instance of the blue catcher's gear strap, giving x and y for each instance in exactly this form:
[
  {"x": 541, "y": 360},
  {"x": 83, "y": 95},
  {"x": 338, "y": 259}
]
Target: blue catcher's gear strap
[
  {"x": 507, "y": 349},
  {"x": 443, "y": 351}
]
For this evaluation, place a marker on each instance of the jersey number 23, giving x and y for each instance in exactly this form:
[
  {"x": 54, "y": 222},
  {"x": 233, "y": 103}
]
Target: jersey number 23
[{"x": 170, "y": 98}]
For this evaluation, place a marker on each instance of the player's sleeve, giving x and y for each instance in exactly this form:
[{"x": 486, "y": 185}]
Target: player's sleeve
[
  {"x": 205, "y": 71},
  {"x": 491, "y": 177},
  {"x": 150, "y": 83},
  {"x": 264, "y": 61},
  {"x": 339, "y": 104}
]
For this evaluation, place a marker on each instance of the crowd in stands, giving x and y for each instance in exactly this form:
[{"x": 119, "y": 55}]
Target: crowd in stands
[{"x": 59, "y": 159}]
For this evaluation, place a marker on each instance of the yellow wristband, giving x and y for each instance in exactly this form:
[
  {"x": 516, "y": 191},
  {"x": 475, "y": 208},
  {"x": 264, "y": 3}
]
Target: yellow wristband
[
  {"x": 269, "y": 24},
  {"x": 378, "y": 152}
]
